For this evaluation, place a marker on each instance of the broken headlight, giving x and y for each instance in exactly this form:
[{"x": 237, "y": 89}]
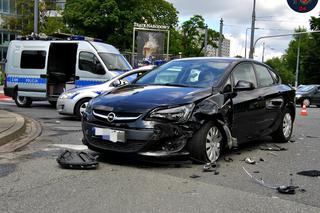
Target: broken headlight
[{"x": 178, "y": 114}]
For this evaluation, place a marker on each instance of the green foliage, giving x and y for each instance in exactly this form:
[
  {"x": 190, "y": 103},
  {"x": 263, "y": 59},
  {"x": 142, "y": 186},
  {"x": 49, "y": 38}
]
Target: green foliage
[
  {"x": 193, "y": 35},
  {"x": 279, "y": 66},
  {"x": 112, "y": 20}
]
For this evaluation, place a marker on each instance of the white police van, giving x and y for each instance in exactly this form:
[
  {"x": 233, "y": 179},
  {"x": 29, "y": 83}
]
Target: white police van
[{"x": 43, "y": 69}]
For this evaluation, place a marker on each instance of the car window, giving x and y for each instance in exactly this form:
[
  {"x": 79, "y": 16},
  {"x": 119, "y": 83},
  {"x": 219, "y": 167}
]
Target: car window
[
  {"x": 244, "y": 72},
  {"x": 275, "y": 77},
  {"x": 88, "y": 62},
  {"x": 263, "y": 76},
  {"x": 33, "y": 59},
  {"x": 193, "y": 73},
  {"x": 305, "y": 88}
]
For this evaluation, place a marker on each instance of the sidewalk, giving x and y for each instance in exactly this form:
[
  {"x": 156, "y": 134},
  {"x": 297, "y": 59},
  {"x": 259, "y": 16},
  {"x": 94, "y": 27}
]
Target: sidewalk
[{"x": 11, "y": 126}]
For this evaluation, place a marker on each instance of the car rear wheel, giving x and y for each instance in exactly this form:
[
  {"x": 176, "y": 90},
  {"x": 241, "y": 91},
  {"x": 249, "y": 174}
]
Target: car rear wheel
[
  {"x": 206, "y": 144},
  {"x": 22, "y": 101},
  {"x": 284, "y": 132},
  {"x": 81, "y": 107}
]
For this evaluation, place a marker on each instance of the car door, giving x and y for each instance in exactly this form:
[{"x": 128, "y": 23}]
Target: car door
[
  {"x": 90, "y": 70},
  {"x": 271, "y": 99},
  {"x": 246, "y": 104}
]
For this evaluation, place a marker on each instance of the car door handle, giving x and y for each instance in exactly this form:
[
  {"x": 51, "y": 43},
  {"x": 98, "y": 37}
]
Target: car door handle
[{"x": 43, "y": 76}]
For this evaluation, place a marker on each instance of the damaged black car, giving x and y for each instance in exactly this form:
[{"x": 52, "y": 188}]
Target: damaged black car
[{"x": 193, "y": 106}]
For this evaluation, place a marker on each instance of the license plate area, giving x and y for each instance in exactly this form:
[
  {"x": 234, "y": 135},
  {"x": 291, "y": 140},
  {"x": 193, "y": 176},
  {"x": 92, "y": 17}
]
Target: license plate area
[{"x": 112, "y": 135}]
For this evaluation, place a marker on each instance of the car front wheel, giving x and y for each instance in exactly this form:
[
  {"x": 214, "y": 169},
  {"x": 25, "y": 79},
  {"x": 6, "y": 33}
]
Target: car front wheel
[
  {"x": 284, "y": 132},
  {"x": 206, "y": 143},
  {"x": 81, "y": 107}
]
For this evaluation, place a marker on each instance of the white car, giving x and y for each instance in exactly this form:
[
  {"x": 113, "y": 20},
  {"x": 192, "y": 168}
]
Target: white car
[{"x": 74, "y": 101}]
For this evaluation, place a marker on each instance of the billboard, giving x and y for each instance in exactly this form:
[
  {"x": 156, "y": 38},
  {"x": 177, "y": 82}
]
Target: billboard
[{"x": 150, "y": 45}]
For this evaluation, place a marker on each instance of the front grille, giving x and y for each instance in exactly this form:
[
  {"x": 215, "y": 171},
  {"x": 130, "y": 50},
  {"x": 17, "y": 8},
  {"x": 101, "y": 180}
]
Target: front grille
[
  {"x": 119, "y": 116},
  {"x": 128, "y": 146}
]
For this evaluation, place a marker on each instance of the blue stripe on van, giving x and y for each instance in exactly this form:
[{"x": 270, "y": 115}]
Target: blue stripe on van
[
  {"x": 84, "y": 83},
  {"x": 24, "y": 80}
]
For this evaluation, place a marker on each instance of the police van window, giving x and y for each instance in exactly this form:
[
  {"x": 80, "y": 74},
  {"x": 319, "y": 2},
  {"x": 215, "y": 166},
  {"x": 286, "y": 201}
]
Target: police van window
[
  {"x": 33, "y": 59},
  {"x": 88, "y": 62}
]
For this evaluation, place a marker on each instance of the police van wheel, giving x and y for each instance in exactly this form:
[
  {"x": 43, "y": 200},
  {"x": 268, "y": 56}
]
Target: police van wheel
[{"x": 22, "y": 101}]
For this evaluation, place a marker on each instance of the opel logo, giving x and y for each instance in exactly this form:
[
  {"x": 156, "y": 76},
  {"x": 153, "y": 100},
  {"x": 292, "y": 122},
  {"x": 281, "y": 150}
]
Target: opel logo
[{"x": 111, "y": 116}]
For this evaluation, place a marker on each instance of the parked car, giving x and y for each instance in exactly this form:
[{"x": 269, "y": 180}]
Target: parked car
[
  {"x": 308, "y": 95},
  {"x": 193, "y": 106},
  {"x": 74, "y": 101}
]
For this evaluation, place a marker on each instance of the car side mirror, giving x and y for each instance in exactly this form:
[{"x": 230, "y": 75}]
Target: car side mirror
[
  {"x": 99, "y": 69},
  {"x": 244, "y": 85}
]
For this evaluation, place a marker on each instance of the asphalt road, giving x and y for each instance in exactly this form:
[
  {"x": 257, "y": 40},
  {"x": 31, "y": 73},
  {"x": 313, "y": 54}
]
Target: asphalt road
[{"x": 32, "y": 181}]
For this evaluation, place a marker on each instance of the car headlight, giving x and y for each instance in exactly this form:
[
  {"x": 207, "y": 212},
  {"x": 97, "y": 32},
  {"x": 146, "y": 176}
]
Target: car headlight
[
  {"x": 178, "y": 114},
  {"x": 298, "y": 96},
  {"x": 68, "y": 95}
]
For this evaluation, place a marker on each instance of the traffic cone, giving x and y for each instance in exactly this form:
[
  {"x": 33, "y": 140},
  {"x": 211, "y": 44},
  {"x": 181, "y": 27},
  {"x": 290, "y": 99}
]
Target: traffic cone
[{"x": 304, "y": 111}]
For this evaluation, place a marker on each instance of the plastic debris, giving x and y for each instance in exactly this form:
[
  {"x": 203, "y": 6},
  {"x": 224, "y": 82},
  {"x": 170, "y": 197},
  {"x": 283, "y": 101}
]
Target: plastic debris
[
  {"x": 249, "y": 160},
  {"x": 210, "y": 167},
  {"x": 290, "y": 189},
  {"x": 194, "y": 176},
  {"x": 77, "y": 160},
  {"x": 310, "y": 173},
  {"x": 272, "y": 147}
]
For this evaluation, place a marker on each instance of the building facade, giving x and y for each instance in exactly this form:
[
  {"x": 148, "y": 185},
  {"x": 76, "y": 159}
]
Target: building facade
[
  {"x": 7, "y": 8},
  {"x": 225, "y": 50}
]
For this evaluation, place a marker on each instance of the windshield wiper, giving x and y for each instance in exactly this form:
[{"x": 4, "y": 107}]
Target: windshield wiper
[
  {"x": 118, "y": 69},
  {"x": 175, "y": 85}
]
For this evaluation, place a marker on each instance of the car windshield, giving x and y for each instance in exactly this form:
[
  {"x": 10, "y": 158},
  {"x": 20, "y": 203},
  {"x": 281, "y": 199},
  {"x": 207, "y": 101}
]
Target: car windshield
[
  {"x": 114, "y": 61},
  {"x": 187, "y": 73},
  {"x": 305, "y": 88}
]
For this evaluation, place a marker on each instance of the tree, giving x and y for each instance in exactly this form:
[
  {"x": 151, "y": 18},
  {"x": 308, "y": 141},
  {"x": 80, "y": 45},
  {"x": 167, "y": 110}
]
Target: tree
[
  {"x": 280, "y": 67},
  {"x": 113, "y": 20},
  {"x": 193, "y": 36},
  {"x": 25, "y": 19}
]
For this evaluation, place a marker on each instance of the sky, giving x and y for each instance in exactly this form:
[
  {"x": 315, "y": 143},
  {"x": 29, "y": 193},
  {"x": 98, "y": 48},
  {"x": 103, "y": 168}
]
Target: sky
[{"x": 273, "y": 17}]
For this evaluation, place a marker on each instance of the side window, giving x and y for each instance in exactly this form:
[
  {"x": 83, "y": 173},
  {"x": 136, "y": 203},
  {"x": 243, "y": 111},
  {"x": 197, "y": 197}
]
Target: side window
[
  {"x": 275, "y": 77},
  {"x": 244, "y": 72},
  {"x": 88, "y": 62},
  {"x": 33, "y": 59},
  {"x": 263, "y": 76}
]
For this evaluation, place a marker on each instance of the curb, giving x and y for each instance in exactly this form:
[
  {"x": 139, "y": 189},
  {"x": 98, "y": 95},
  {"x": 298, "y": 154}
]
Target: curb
[{"x": 14, "y": 131}]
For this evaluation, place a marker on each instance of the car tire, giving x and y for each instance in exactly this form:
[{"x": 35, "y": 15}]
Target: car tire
[
  {"x": 22, "y": 101},
  {"x": 53, "y": 103},
  {"x": 284, "y": 131},
  {"x": 80, "y": 107},
  {"x": 207, "y": 143}
]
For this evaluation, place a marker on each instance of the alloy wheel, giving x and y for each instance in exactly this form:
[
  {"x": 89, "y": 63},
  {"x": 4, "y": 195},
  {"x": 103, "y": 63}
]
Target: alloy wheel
[
  {"x": 213, "y": 144},
  {"x": 83, "y": 107},
  {"x": 287, "y": 125}
]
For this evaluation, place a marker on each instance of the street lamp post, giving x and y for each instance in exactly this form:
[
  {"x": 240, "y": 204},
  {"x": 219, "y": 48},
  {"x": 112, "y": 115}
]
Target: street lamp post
[
  {"x": 36, "y": 16},
  {"x": 245, "y": 50},
  {"x": 252, "y": 29},
  {"x": 298, "y": 63}
]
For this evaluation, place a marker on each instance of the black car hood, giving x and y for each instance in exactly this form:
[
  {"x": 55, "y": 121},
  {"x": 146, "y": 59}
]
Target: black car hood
[{"x": 142, "y": 98}]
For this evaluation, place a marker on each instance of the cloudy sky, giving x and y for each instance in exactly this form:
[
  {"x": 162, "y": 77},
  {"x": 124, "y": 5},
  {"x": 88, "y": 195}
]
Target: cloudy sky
[{"x": 273, "y": 17}]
